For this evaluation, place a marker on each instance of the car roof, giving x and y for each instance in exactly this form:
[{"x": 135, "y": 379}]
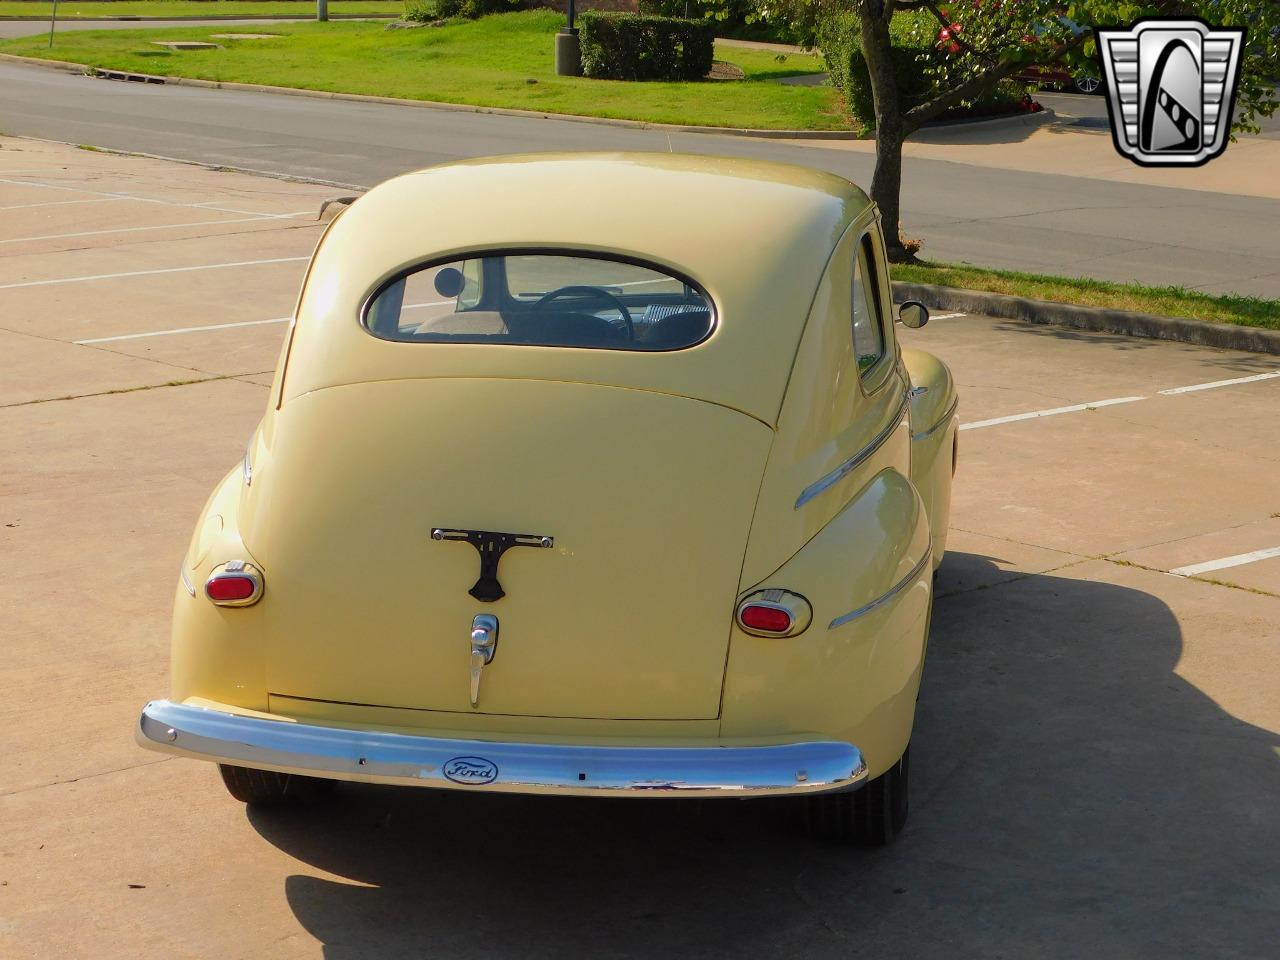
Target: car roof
[{"x": 755, "y": 235}]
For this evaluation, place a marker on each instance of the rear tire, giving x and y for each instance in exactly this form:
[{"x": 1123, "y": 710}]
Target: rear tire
[
  {"x": 869, "y": 817},
  {"x": 267, "y": 788}
]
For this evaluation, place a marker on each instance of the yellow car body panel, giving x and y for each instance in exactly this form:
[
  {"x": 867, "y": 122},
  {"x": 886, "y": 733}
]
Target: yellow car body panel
[
  {"x": 600, "y": 625},
  {"x": 673, "y": 483}
]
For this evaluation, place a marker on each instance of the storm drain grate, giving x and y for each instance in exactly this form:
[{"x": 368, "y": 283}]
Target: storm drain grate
[{"x": 124, "y": 75}]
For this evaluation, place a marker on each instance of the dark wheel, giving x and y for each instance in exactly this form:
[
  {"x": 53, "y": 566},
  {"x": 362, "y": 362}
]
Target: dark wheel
[
  {"x": 869, "y": 817},
  {"x": 266, "y": 788}
]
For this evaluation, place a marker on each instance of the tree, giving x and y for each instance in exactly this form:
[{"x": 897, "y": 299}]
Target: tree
[{"x": 979, "y": 43}]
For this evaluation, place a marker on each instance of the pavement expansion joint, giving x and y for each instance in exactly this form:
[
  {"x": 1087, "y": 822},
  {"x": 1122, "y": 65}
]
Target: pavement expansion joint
[
  {"x": 117, "y": 353},
  {"x": 1025, "y": 543},
  {"x": 1190, "y": 536},
  {"x": 1016, "y": 576},
  {"x": 107, "y": 393},
  {"x": 87, "y": 776},
  {"x": 1119, "y": 562}
]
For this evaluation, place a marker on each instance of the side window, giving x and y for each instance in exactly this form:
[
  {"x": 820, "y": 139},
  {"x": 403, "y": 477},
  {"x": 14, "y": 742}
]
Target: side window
[
  {"x": 470, "y": 296},
  {"x": 868, "y": 324}
]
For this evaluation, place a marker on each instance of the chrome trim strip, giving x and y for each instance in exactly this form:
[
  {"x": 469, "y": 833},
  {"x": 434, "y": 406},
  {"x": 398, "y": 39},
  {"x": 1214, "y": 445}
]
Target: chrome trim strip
[
  {"x": 859, "y": 458},
  {"x": 945, "y": 419},
  {"x": 373, "y": 756},
  {"x": 896, "y": 589},
  {"x": 186, "y": 581}
]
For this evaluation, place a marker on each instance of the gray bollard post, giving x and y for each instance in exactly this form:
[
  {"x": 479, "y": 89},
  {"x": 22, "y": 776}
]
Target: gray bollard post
[
  {"x": 568, "y": 49},
  {"x": 568, "y": 54},
  {"x": 322, "y": 10}
]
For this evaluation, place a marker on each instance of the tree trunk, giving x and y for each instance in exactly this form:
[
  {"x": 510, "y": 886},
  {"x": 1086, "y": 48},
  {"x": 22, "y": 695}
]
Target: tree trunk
[
  {"x": 886, "y": 182},
  {"x": 886, "y": 190}
]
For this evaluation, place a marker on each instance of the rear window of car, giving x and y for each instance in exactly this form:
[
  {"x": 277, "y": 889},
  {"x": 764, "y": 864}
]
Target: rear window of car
[{"x": 542, "y": 299}]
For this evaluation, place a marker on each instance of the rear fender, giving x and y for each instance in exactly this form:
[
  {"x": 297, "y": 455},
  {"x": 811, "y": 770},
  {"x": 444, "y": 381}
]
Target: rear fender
[
  {"x": 218, "y": 653},
  {"x": 854, "y": 673},
  {"x": 934, "y": 425}
]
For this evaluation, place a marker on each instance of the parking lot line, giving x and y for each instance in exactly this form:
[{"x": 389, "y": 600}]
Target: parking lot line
[
  {"x": 161, "y": 226},
  {"x": 147, "y": 273},
  {"x": 116, "y": 195},
  {"x": 167, "y": 333},
  {"x": 1240, "y": 559},
  {"x": 1052, "y": 412},
  {"x": 1220, "y": 383},
  {"x": 212, "y": 205},
  {"x": 59, "y": 203}
]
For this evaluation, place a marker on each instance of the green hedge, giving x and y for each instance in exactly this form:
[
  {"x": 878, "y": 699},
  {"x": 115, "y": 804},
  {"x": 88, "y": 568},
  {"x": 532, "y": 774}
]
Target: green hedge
[
  {"x": 428, "y": 10},
  {"x": 919, "y": 69},
  {"x": 627, "y": 46},
  {"x": 841, "y": 46},
  {"x": 739, "y": 19},
  {"x": 420, "y": 11}
]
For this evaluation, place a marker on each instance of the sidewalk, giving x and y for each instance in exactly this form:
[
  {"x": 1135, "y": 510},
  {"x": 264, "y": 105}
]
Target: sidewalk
[{"x": 1046, "y": 143}]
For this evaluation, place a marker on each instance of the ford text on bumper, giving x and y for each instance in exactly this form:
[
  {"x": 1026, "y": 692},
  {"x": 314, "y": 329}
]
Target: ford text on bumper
[{"x": 506, "y": 767}]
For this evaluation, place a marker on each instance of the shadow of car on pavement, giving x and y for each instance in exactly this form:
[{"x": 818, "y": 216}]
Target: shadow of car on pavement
[{"x": 1071, "y": 796}]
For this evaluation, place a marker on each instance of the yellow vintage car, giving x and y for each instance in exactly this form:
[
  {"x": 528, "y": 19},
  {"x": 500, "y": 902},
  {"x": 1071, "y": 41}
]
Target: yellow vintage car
[{"x": 581, "y": 474}]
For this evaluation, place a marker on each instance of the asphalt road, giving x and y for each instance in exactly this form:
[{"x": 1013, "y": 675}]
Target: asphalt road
[{"x": 966, "y": 212}]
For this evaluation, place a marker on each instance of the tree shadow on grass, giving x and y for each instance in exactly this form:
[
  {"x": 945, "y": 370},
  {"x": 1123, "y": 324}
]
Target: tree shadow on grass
[{"x": 1072, "y": 796}]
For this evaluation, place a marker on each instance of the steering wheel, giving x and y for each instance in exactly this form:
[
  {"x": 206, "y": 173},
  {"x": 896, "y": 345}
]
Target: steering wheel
[{"x": 590, "y": 293}]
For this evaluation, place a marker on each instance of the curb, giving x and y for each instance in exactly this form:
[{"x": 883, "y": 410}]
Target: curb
[
  {"x": 47, "y": 64},
  {"x": 1039, "y": 118},
  {"x": 206, "y": 165},
  {"x": 429, "y": 104},
  {"x": 1227, "y": 336}
]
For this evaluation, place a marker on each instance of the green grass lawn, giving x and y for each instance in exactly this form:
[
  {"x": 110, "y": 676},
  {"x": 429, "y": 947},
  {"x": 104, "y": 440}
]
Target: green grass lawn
[
  {"x": 1164, "y": 301},
  {"x": 498, "y": 61},
  {"x": 70, "y": 10}
]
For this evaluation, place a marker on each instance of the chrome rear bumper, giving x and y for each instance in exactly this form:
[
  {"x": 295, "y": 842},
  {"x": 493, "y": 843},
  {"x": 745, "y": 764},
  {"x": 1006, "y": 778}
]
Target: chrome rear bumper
[{"x": 505, "y": 767}]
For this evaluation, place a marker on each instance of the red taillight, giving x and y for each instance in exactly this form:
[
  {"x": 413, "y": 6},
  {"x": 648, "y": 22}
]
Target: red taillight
[
  {"x": 230, "y": 589},
  {"x": 774, "y": 613},
  {"x": 234, "y": 584},
  {"x": 755, "y": 616}
]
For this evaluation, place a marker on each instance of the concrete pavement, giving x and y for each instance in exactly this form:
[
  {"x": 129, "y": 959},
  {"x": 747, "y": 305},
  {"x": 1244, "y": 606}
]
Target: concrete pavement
[
  {"x": 1047, "y": 210},
  {"x": 1095, "y": 758}
]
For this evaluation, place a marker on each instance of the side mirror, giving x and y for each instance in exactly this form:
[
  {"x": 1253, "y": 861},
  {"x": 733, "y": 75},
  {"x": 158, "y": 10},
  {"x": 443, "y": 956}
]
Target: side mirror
[{"x": 913, "y": 314}]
